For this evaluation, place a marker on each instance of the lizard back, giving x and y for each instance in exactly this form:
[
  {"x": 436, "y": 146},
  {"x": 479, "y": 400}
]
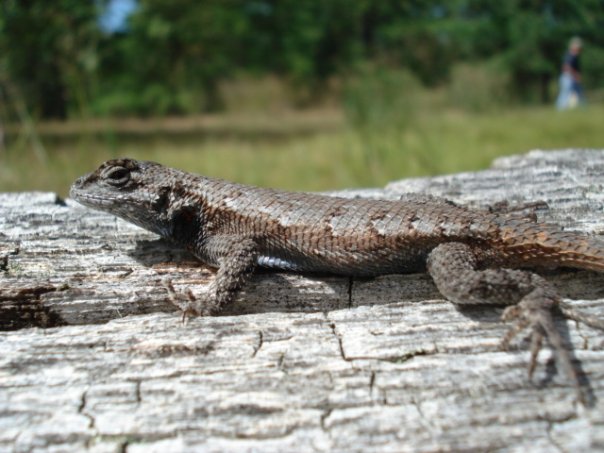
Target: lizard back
[{"x": 313, "y": 232}]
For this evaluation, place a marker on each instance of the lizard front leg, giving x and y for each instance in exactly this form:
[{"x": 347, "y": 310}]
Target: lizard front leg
[
  {"x": 236, "y": 258},
  {"x": 453, "y": 266}
]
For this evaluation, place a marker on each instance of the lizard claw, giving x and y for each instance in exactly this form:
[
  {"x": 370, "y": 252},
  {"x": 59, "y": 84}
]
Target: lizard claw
[
  {"x": 189, "y": 305},
  {"x": 534, "y": 312},
  {"x": 536, "y": 344},
  {"x": 513, "y": 313}
]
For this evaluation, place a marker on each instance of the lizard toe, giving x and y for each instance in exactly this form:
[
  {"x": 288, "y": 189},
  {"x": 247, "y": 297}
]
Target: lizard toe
[{"x": 534, "y": 311}]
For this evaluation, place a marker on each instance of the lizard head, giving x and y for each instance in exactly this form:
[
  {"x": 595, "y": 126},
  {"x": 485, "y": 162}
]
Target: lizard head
[{"x": 136, "y": 191}]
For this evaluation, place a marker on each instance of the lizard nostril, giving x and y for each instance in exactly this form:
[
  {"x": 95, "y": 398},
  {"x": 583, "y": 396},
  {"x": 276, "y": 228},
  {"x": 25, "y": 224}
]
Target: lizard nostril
[{"x": 77, "y": 184}]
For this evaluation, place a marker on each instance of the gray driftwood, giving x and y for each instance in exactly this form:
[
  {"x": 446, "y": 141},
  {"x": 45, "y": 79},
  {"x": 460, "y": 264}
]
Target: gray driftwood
[{"x": 93, "y": 356}]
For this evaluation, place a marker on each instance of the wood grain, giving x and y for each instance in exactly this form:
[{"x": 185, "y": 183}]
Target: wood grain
[{"x": 92, "y": 356}]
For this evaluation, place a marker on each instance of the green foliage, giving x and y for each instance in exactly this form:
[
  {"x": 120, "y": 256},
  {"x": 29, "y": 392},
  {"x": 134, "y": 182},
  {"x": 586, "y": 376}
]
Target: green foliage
[
  {"x": 379, "y": 98},
  {"x": 531, "y": 38},
  {"x": 593, "y": 66},
  {"x": 49, "y": 50},
  {"x": 382, "y": 106},
  {"x": 175, "y": 55},
  {"x": 479, "y": 88},
  {"x": 298, "y": 151}
]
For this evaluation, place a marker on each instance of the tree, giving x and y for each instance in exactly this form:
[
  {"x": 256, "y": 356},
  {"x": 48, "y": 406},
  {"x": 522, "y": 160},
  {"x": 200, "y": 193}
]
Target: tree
[
  {"x": 530, "y": 36},
  {"x": 49, "y": 51}
]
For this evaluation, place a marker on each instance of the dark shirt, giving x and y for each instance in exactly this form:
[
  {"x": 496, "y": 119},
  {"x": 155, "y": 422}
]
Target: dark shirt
[{"x": 573, "y": 61}]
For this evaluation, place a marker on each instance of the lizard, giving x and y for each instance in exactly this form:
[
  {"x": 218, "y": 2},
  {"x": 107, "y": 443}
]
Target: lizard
[{"x": 474, "y": 256}]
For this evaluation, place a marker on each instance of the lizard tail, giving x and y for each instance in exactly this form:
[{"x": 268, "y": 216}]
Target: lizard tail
[{"x": 538, "y": 244}]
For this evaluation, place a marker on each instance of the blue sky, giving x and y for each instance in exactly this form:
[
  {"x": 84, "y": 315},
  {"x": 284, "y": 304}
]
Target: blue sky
[{"x": 114, "y": 17}]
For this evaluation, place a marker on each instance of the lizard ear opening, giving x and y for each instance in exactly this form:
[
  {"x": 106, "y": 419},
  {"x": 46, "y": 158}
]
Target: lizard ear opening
[{"x": 185, "y": 222}]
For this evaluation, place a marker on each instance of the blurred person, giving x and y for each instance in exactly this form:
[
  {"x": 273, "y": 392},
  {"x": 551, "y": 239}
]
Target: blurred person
[{"x": 571, "y": 90}]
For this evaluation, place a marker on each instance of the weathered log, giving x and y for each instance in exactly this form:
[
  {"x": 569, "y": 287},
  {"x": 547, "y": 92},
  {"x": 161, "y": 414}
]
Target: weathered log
[{"x": 92, "y": 355}]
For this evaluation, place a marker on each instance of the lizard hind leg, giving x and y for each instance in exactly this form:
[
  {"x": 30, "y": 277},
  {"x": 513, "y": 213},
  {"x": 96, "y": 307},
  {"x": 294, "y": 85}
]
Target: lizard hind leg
[{"x": 530, "y": 298}]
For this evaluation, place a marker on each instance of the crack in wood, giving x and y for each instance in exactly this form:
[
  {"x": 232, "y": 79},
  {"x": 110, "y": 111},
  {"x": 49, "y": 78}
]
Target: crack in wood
[
  {"x": 24, "y": 307},
  {"x": 259, "y": 345},
  {"x": 350, "y": 283},
  {"x": 473, "y": 399},
  {"x": 81, "y": 407},
  {"x": 332, "y": 326}
]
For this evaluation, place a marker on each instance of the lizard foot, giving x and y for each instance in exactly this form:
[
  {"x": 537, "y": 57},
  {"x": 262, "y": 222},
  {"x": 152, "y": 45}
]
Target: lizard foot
[
  {"x": 186, "y": 302},
  {"x": 534, "y": 311}
]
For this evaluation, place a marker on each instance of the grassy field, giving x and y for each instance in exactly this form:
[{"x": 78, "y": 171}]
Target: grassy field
[{"x": 310, "y": 150}]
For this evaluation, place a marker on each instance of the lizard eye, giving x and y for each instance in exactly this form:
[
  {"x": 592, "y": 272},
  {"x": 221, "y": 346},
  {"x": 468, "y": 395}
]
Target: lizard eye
[{"x": 118, "y": 176}]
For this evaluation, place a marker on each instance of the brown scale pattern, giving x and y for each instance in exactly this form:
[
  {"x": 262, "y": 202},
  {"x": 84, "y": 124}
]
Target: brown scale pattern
[{"x": 233, "y": 227}]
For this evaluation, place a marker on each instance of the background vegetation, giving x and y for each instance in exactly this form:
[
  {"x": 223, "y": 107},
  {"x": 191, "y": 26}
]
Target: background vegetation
[{"x": 301, "y": 94}]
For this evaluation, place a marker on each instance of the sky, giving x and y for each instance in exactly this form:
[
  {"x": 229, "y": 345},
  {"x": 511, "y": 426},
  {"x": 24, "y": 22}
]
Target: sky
[{"x": 114, "y": 18}]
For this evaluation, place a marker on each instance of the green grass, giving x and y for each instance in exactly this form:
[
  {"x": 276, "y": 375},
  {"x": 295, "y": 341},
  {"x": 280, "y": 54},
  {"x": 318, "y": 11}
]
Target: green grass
[{"x": 300, "y": 151}]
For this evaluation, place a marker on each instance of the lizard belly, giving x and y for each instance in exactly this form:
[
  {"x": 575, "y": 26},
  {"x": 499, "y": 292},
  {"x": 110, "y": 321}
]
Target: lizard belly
[{"x": 351, "y": 264}]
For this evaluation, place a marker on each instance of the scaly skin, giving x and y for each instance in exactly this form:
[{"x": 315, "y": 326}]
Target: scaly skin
[{"x": 469, "y": 254}]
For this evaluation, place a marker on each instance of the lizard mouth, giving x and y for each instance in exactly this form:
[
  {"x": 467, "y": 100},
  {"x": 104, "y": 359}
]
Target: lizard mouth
[{"x": 86, "y": 198}]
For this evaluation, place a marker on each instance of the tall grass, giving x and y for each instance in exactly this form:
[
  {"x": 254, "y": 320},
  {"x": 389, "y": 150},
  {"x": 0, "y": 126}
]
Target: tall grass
[
  {"x": 381, "y": 107},
  {"x": 389, "y": 128}
]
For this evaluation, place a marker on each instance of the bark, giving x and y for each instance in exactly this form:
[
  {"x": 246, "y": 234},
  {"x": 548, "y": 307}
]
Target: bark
[{"x": 93, "y": 356}]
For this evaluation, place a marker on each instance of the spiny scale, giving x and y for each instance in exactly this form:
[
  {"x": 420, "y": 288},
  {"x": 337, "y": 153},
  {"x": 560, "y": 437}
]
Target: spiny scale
[{"x": 469, "y": 254}]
